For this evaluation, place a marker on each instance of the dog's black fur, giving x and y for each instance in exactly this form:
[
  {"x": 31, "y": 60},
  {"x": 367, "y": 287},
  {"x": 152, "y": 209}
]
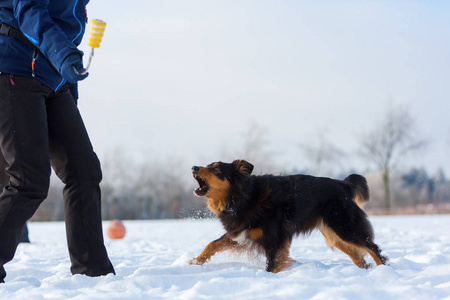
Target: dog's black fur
[{"x": 266, "y": 212}]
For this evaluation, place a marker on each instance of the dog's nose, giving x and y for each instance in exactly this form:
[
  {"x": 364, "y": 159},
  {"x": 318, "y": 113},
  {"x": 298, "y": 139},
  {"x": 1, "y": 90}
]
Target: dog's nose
[{"x": 195, "y": 168}]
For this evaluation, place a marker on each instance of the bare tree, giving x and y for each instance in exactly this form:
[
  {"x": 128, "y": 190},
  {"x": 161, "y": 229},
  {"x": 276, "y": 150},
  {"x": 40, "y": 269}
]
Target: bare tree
[
  {"x": 146, "y": 189},
  {"x": 255, "y": 148},
  {"x": 320, "y": 152},
  {"x": 393, "y": 138}
]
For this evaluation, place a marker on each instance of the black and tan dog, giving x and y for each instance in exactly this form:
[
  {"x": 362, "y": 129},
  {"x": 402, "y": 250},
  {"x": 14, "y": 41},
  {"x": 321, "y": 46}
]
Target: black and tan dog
[{"x": 263, "y": 213}]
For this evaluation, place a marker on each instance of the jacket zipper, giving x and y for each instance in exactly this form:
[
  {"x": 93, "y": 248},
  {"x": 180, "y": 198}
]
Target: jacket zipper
[{"x": 35, "y": 55}]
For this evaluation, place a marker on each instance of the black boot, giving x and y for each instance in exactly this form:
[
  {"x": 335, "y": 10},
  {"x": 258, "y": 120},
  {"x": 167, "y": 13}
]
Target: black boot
[{"x": 24, "y": 235}]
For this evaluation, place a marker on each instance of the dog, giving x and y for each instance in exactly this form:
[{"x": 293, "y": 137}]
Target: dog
[{"x": 264, "y": 213}]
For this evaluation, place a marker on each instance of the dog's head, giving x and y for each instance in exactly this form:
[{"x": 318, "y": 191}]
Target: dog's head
[{"x": 215, "y": 179}]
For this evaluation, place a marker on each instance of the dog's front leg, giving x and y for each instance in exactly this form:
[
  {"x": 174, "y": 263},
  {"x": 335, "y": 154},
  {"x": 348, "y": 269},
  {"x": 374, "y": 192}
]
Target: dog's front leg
[
  {"x": 219, "y": 245},
  {"x": 278, "y": 258}
]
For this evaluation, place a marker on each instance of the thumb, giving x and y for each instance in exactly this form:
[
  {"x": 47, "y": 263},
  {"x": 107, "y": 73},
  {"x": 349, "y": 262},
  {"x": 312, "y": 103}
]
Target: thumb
[{"x": 80, "y": 71}]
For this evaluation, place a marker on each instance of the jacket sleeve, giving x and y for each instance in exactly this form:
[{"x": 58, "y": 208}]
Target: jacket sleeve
[{"x": 35, "y": 23}]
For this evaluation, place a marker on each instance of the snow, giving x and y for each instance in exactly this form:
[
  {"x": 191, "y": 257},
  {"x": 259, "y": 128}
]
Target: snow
[{"x": 151, "y": 263}]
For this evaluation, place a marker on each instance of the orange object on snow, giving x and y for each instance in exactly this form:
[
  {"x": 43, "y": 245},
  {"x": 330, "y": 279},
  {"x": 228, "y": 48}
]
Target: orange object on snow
[{"x": 115, "y": 230}]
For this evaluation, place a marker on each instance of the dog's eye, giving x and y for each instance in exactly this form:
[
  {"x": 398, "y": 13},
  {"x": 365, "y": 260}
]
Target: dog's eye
[{"x": 215, "y": 169}]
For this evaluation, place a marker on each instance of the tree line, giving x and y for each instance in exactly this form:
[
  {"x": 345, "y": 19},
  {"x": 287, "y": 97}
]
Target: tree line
[
  {"x": 166, "y": 197},
  {"x": 161, "y": 189}
]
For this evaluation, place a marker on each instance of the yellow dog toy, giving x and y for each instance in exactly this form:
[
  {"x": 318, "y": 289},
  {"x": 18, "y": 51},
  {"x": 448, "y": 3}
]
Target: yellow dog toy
[{"x": 95, "y": 37}]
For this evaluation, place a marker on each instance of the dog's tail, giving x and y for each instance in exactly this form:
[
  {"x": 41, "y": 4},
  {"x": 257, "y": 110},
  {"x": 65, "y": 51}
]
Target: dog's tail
[{"x": 359, "y": 187}]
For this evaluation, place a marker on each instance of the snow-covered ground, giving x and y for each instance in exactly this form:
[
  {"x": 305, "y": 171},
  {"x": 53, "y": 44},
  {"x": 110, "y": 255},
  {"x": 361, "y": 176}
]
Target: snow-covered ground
[{"x": 151, "y": 264}]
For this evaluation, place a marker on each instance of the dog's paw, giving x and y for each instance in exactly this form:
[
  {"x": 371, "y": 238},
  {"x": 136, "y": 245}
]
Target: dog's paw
[
  {"x": 368, "y": 266},
  {"x": 195, "y": 261}
]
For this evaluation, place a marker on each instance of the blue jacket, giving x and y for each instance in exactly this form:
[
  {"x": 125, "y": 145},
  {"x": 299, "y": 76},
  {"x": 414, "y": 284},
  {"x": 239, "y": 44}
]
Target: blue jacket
[{"x": 56, "y": 27}]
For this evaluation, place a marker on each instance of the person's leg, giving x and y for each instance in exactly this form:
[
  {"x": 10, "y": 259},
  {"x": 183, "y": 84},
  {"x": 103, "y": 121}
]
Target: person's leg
[
  {"x": 76, "y": 164},
  {"x": 4, "y": 178},
  {"x": 24, "y": 234},
  {"x": 4, "y": 181},
  {"x": 25, "y": 147}
]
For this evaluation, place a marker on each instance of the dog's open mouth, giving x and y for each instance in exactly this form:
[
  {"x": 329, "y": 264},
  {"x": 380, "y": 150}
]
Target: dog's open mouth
[{"x": 203, "y": 186}]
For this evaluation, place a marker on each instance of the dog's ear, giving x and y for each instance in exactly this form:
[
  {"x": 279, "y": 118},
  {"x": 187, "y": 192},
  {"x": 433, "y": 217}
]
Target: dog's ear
[{"x": 243, "y": 167}]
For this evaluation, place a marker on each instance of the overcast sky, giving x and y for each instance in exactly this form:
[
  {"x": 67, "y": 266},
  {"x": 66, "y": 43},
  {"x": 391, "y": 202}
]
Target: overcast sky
[{"x": 186, "y": 79}]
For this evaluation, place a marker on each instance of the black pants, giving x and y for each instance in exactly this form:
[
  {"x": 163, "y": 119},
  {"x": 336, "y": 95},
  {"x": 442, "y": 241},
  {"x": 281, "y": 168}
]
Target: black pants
[
  {"x": 4, "y": 181},
  {"x": 40, "y": 129}
]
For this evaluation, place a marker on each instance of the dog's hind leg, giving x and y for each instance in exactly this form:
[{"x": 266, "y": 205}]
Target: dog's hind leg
[
  {"x": 353, "y": 237},
  {"x": 375, "y": 252},
  {"x": 219, "y": 245},
  {"x": 355, "y": 253}
]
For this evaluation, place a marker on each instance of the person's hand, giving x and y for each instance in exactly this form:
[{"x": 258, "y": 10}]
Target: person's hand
[{"x": 72, "y": 67}]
